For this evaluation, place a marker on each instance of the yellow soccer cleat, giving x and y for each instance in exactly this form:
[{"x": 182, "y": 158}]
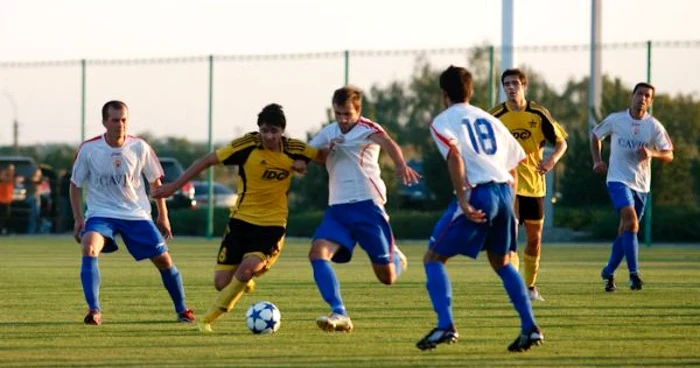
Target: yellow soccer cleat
[{"x": 204, "y": 327}]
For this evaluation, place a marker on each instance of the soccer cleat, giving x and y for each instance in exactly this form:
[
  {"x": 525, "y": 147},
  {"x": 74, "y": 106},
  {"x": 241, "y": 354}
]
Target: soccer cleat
[
  {"x": 635, "y": 282},
  {"x": 204, "y": 327},
  {"x": 609, "y": 281},
  {"x": 534, "y": 294},
  {"x": 186, "y": 316},
  {"x": 525, "y": 341},
  {"x": 335, "y": 322},
  {"x": 438, "y": 336},
  {"x": 402, "y": 258},
  {"x": 94, "y": 317},
  {"x": 250, "y": 286}
]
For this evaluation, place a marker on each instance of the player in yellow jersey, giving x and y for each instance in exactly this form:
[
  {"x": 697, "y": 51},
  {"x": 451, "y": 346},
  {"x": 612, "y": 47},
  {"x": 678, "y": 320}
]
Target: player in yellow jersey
[
  {"x": 532, "y": 126},
  {"x": 255, "y": 233}
]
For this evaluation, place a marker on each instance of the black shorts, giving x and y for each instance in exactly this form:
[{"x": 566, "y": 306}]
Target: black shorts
[
  {"x": 529, "y": 209},
  {"x": 243, "y": 238}
]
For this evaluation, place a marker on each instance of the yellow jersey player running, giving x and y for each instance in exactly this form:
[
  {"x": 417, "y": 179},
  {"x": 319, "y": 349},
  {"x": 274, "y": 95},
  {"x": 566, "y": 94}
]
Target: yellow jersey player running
[
  {"x": 532, "y": 126},
  {"x": 254, "y": 237}
]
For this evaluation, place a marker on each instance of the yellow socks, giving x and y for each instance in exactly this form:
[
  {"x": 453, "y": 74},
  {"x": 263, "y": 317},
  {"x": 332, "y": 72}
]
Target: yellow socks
[
  {"x": 532, "y": 268},
  {"x": 515, "y": 260},
  {"x": 225, "y": 300}
]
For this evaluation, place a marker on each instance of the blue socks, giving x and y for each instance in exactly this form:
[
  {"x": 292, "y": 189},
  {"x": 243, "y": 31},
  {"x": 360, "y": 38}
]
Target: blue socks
[
  {"x": 328, "y": 285},
  {"x": 173, "y": 283},
  {"x": 90, "y": 278},
  {"x": 440, "y": 291},
  {"x": 616, "y": 254},
  {"x": 517, "y": 291},
  {"x": 630, "y": 243}
]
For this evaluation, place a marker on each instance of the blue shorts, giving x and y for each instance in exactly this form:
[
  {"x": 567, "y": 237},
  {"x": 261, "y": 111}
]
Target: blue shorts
[
  {"x": 454, "y": 234},
  {"x": 141, "y": 237},
  {"x": 622, "y": 196},
  {"x": 361, "y": 222}
]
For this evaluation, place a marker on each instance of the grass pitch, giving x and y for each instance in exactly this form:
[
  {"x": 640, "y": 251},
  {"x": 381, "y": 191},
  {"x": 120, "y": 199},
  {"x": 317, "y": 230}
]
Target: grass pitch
[{"x": 42, "y": 306}]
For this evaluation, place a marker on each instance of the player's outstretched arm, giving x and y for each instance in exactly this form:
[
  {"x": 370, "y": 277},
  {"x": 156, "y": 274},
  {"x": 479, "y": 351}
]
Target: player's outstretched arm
[
  {"x": 408, "y": 175},
  {"x": 162, "y": 221},
  {"x": 598, "y": 165},
  {"x": 166, "y": 190},
  {"x": 76, "y": 204},
  {"x": 458, "y": 177}
]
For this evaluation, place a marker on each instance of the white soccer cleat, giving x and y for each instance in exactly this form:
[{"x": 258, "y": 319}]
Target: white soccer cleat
[
  {"x": 402, "y": 258},
  {"x": 534, "y": 294},
  {"x": 335, "y": 322}
]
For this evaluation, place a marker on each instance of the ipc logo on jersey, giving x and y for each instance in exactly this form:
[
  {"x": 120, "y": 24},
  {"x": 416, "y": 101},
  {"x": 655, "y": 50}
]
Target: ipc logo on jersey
[
  {"x": 275, "y": 174},
  {"x": 521, "y": 134}
]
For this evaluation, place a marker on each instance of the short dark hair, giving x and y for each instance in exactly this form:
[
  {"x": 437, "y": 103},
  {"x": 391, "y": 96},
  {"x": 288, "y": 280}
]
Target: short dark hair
[
  {"x": 645, "y": 85},
  {"x": 272, "y": 114},
  {"x": 522, "y": 77},
  {"x": 348, "y": 93},
  {"x": 114, "y": 104},
  {"x": 457, "y": 83}
]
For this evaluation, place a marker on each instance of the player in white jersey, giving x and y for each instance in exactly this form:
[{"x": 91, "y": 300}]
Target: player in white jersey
[
  {"x": 357, "y": 195},
  {"x": 113, "y": 166},
  {"x": 635, "y": 138},
  {"x": 482, "y": 157}
]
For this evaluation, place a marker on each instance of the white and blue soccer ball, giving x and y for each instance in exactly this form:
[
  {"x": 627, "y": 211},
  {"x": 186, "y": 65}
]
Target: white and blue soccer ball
[{"x": 263, "y": 318}]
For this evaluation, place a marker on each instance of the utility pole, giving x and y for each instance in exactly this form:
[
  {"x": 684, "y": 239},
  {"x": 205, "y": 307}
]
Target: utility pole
[{"x": 15, "y": 136}]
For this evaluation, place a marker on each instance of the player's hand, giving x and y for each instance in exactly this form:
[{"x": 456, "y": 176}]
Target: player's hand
[
  {"x": 600, "y": 167},
  {"x": 78, "y": 227},
  {"x": 163, "y": 224},
  {"x": 644, "y": 153},
  {"x": 163, "y": 191},
  {"x": 336, "y": 141},
  {"x": 544, "y": 167},
  {"x": 408, "y": 175},
  {"x": 472, "y": 214},
  {"x": 299, "y": 166}
]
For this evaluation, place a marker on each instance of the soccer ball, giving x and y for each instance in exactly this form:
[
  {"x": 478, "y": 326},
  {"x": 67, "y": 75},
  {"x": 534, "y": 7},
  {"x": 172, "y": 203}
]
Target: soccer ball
[{"x": 263, "y": 318}]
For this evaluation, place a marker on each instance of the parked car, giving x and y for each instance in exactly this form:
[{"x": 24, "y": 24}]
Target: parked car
[
  {"x": 183, "y": 197},
  {"x": 24, "y": 169},
  {"x": 224, "y": 196}
]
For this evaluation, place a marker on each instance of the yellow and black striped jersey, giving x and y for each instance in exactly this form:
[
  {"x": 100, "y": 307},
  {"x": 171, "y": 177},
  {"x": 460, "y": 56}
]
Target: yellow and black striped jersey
[
  {"x": 531, "y": 127},
  {"x": 265, "y": 177}
]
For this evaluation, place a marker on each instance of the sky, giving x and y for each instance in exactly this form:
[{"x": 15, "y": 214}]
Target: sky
[{"x": 172, "y": 99}]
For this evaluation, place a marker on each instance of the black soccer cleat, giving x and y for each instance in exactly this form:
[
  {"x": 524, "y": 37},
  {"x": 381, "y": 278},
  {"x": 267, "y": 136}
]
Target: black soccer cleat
[
  {"x": 525, "y": 341},
  {"x": 438, "y": 336},
  {"x": 609, "y": 281},
  {"x": 635, "y": 282}
]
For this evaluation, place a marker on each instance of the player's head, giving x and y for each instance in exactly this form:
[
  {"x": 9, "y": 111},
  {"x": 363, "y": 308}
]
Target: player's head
[
  {"x": 514, "y": 83},
  {"x": 115, "y": 116},
  {"x": 456, "y": 84},
  {"x": 271, "y": 124},
  {"x": 347, "y": 107},
  {"x": 642, "y": 96}
]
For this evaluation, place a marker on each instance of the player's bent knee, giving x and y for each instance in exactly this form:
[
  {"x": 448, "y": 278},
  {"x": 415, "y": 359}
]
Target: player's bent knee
[
  {"x": 321, "y": 249},
  {"x": 162, "y": 261}
]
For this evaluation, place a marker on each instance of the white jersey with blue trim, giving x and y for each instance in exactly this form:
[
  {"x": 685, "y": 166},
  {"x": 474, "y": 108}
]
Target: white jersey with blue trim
[
  {"x": 115, "y": 177},
  {"x": 353, "y": 163},
  {"x": 627, "y": 136},
  {"x": 487, "y": 147}
]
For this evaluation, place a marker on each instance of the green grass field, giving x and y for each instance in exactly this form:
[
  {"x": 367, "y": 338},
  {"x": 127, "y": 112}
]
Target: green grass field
[{"x": 41, "y": 311}]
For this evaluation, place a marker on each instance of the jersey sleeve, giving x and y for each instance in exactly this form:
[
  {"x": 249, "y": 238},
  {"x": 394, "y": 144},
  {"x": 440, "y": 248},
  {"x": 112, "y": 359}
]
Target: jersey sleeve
[
  {"x": 604, "y": 129},
  {"x": 444, "y": 137},
  {"x": 552, "y": 130},
  {"x": 152, "y": 169},
  {"x": 237, "y": 152},
  {"x": 661, "y": 140},
  {"x": 299, "y": 150},
  {"x": 321, "y": 139},
  {"x": 80, "y": 168}
]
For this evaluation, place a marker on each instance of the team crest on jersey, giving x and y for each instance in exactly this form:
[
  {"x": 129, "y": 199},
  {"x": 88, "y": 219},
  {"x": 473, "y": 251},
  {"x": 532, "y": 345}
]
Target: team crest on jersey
[
  {"x": 533, "y": 124},
  {"x": 117, "y": 163},
  {"x": 635, "y": 129}
]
